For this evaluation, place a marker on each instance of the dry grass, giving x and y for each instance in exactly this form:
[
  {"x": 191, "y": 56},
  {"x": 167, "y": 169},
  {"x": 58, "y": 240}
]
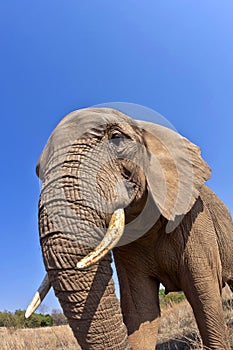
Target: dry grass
[
  {"x": 49, "y": 338},
  {"x": 177, "y": 331}
]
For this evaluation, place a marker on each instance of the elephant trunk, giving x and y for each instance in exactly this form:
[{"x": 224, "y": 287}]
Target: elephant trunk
[
  {"x": 92, "y": 309},
  {"x": 87, "y": 296},
  {"x": 72, "y": 222}
]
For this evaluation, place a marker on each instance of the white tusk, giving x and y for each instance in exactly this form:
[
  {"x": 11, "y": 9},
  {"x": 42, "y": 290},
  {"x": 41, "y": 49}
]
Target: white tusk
[
  {"x": 39, "y": 296},
  {"x": 114, "y": 233}
]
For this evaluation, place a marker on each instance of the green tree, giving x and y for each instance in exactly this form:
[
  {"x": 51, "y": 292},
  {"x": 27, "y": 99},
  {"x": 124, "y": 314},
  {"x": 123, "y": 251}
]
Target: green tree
[{"x": 39, "y": 320}]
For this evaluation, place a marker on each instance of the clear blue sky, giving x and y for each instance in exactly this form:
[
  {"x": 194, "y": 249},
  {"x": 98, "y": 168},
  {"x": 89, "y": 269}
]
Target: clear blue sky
[{"x": 57, "y": 55}]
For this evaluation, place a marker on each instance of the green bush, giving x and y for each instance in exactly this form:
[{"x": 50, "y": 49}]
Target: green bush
[
  {"x": 170, "y": 298},
  {"x": 17, "y": 320},
  {"x": 7, "y": 319}
]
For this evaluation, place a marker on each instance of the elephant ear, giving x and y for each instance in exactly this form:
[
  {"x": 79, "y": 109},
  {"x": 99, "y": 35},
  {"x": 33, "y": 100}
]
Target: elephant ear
[{"x": 176, "y": 171}]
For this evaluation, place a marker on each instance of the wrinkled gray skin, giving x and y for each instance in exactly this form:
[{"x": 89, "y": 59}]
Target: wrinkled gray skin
[{"x": 196, "y": 256}]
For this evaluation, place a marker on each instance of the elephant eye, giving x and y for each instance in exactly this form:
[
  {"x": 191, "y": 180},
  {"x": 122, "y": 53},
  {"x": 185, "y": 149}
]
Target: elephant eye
[{"x": 116, "y": 138}]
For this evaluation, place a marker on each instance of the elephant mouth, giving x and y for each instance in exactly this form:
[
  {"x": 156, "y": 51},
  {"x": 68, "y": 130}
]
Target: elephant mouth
[{"x": 111, "y": 238}]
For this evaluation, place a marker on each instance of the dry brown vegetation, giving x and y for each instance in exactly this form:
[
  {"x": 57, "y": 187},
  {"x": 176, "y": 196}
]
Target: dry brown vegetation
[
  {"x": 178, "y": 328},
  {"x": 47, "y": 338},
  {"x": 177, "y": 331}
]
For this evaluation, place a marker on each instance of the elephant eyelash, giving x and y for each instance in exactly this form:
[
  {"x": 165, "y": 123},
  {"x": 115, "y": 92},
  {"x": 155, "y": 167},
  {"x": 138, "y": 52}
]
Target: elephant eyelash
[{"x": 116, "y": 135}]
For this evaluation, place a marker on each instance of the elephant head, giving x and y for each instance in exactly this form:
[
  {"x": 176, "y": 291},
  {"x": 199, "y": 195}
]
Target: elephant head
[{"x": 106, "y": 181}]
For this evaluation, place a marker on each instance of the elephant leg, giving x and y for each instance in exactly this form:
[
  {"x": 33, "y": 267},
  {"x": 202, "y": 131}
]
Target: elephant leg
[
  {"x": 139, "y": 303},
  {"x": 204, "y": 295},
  {"x": 143, "y": 323}
]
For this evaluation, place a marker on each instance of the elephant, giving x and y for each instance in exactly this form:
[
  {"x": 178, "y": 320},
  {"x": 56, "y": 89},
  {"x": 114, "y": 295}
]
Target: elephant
[{"x": 113, "y": 186}]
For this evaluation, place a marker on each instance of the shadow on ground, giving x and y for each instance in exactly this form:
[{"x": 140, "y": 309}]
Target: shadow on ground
[{"x": 184, "y": 343}]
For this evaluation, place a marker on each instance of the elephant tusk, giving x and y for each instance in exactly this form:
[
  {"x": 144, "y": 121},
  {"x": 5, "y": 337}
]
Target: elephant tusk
[
  {"x": 38, "y": 297},
  {"x": 113, "y": 235}
]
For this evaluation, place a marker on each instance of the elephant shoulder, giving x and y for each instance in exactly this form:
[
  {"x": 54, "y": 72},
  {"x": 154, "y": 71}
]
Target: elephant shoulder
[
  {"x": 220, "y": 214},
  {"x": 213, "y": 202}
]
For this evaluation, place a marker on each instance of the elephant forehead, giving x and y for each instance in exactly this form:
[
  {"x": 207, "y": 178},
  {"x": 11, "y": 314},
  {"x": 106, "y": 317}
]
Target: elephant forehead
[
  {"x": 86, "y": 119},
  {"x": 88, "y": 122}
]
